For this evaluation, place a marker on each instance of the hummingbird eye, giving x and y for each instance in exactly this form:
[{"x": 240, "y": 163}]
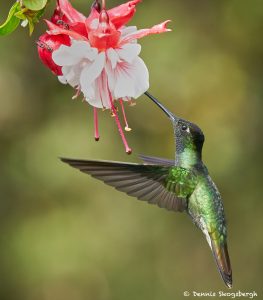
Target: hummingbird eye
[{"x": 184, "y": 127}]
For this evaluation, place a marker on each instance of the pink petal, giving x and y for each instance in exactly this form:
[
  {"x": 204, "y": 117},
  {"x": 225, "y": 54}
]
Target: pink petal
[
  {"x": 46, "y": 45},
  {"x": 160, "y": 28},
  {"x": 103, "y": 41},
  {"x": 55, "y": 30},
  {"x": 59, "y": 18},
  {"x": 79, "y": 28},
  {"x": 122, "y": 14},
  {"x": 70, "y": 13},
  {"x": 94, "y": 15}
]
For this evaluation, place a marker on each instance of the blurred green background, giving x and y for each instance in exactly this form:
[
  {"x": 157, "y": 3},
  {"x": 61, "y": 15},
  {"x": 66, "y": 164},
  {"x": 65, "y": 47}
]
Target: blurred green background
[{"x": 66, "y": 236}]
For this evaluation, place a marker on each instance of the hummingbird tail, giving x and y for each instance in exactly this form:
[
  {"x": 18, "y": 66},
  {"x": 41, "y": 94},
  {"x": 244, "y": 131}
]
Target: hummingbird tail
[{"x": 221, "y": 256}]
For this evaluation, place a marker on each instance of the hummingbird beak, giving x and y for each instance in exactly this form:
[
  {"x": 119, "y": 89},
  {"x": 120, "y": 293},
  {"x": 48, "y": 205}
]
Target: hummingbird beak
[{"x": 171, "y": 116}]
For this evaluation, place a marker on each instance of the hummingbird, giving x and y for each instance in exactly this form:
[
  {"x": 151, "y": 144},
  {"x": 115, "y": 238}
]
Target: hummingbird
[{"x": 180, "y": 185}]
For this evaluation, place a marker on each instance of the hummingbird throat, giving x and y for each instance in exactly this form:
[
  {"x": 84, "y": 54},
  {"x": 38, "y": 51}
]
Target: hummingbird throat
[{"x": 187, "y": 155}]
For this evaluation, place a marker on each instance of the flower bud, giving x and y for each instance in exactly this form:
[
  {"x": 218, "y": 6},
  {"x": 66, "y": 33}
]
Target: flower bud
[{"x": 46, "y": 45}]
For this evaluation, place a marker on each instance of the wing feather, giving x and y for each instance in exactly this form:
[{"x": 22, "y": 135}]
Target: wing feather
[
  {"x": 152, "y": 160},
  {"x": 145, "y": 182}
]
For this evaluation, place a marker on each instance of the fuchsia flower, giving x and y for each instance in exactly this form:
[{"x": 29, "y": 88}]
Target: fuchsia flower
[{"x": 98, "y": 55}]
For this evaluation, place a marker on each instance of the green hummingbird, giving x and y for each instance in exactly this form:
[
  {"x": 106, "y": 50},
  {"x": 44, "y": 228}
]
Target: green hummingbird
[{"x": 181, "y": 185}]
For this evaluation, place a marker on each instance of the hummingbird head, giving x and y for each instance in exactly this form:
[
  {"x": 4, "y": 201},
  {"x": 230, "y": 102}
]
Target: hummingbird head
[{"x": 188, "y": 135}]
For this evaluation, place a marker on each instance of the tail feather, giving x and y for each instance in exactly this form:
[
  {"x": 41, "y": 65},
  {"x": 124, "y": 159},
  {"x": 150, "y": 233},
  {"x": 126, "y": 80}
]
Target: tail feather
[{"x": 221, "y": 257}]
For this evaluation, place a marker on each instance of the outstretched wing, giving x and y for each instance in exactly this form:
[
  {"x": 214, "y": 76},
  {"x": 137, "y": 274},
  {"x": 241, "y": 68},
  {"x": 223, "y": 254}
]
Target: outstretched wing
[
  {"x": 150, "y": 183},
  {"x": 152, "y": 160}
]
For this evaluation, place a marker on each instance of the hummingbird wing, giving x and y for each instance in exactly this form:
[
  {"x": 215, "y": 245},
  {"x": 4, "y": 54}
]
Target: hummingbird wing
[
  {"x": 145, "y": 182},
  {"x": 152, "y": 160}
]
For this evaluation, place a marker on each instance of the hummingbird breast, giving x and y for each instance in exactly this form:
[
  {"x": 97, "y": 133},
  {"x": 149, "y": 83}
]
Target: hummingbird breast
[{"x": 206, "y": 208}]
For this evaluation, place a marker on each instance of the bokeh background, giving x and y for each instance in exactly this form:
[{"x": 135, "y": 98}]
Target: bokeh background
[{"x": 66, "y": 236}]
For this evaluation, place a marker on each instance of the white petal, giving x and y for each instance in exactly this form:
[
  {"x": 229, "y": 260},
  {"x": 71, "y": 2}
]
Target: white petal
[
  {"x": 111, "y": 78},
  {"x": 128, "y": 52},
  {"x": 98, "y": 93},
  {"x": 91, "y": 54},
  {"x": 62, "y": 79},
  {"x": 66, "y": 71},
  {"x": 113, "y": 56},
  {"x": 72, "y": 55},
  {"x": 131, "y": 80},
  {"x": 79, "y": 48},
  {"x": 63, "y": 56},
  {"x": 72, "y": 75},
  {"x": 103, "y": 89},
  {"x": 89, "y": 94},
  {"x": 127, "y": 30},
  {"x": 93, "y": 102},
  {"x": 91, "y": 72}
]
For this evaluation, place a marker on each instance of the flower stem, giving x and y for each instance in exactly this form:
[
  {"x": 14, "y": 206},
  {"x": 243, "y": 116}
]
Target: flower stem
[
  {"x": 96, "y": 125},
  {"x": 127, "y": 148},
  {"x": 127, "y": 128},
  {"x": 103, "y": 4}
]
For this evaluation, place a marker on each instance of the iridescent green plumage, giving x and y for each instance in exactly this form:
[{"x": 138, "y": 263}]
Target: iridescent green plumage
[
  {"x": 180, "y": 181},
  {"x": 181, "y": 185}
]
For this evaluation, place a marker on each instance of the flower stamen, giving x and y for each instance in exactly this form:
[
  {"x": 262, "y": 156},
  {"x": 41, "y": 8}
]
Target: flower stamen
[
  {"x": 78, "y": 92},
  {"x": 96, "y": 125},
  {"x": 101, "y": 101},
  {"x": 131, "y": 103},
  {"x": 127, "y": 128},
  {"x": 127, "y": 148}
]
